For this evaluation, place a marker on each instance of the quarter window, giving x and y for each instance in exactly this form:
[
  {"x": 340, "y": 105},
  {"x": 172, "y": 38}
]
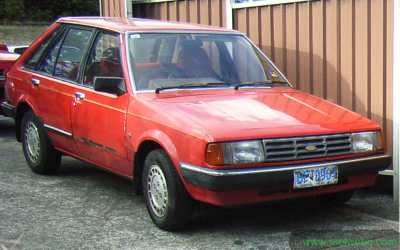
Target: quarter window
[
  {"x": 34, "y": 59},
  {"x": 104, "y": 59},
  {"x": 71, "y": 53},
  {"x": 47, "y": 64}
]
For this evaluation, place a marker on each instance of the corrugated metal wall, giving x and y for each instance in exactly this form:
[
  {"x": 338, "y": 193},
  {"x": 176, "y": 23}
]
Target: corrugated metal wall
[
  {"x": 340, "y": 50},
  {"x": 208, "y": 12}
]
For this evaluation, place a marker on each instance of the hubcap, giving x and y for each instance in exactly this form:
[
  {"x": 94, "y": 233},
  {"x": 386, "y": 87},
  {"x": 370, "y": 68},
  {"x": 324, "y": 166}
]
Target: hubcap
[
  {"x": 32, "y": 141},
  {"x": 157, "y": 190}
]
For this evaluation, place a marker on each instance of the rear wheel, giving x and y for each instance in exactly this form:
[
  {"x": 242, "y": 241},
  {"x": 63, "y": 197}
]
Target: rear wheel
[
  {"x": 167, "y": 201},
  {"x": 39, "y": 153}
]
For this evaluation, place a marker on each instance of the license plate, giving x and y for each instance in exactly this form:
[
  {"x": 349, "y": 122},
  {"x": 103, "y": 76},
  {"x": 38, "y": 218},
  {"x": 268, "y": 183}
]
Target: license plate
[{"x": 314, "y": 177}]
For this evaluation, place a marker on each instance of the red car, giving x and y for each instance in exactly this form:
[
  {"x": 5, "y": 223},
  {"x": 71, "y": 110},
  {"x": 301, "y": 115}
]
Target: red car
[
  {"x": 188, "y": 113},
  {"x": 7, "y": 60}
]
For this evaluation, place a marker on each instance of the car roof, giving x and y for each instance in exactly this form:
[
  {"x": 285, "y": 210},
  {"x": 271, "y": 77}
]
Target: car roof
[{"x": 122, "y": 25}]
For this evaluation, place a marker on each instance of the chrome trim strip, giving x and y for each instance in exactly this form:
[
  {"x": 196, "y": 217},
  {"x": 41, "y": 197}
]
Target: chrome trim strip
[
  {"x": 128, "y": 59},
  {"x": 63, "y": 132},
  {"x": 234, "y": 172},
  {"x": 389, "y": 172},
  {"x": 6, "y": 104}
]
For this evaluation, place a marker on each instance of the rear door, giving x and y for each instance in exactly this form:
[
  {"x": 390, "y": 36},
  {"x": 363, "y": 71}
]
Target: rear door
[
  {"x": 99, "y": 118},
  {"x": 54, "y": 80}
]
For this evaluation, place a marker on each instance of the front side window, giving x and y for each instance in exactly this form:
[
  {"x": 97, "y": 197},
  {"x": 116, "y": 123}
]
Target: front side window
[
  {"x": 71, "y": 53},
  {"x": 104, "y": 59},
  {"x": 169, "y": 60}
]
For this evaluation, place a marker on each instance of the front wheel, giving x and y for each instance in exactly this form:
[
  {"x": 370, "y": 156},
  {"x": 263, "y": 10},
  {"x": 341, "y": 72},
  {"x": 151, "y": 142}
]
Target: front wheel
[
  {"x": 167, "y": 201},
  {"x": 39, "y": 153}
]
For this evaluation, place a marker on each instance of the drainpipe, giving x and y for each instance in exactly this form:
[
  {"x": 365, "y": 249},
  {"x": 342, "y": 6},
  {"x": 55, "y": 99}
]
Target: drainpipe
[
  {"x": 228, "y": 14},
  {"x": 128, "y": 8},
  {"x": 100, "y": 8}
]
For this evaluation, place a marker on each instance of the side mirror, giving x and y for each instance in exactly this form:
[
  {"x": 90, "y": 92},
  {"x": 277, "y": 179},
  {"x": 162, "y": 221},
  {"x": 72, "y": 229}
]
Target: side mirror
[
  {"x": 20, "y": 50},
  {"x": 111, "y": 85}
]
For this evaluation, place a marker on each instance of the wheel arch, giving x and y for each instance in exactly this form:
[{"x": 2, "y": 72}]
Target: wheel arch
[
  {"x": 21, "y": 109},
  {"x": 157, "y": 140}
]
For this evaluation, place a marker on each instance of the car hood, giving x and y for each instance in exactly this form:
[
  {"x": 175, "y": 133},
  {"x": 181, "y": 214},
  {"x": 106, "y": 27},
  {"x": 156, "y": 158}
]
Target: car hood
[{"x": 225, "y": 115}]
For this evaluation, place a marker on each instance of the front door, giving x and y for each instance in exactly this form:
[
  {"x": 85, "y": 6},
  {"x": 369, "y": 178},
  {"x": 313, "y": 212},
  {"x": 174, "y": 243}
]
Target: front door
[{"x": 99, "y": 118}]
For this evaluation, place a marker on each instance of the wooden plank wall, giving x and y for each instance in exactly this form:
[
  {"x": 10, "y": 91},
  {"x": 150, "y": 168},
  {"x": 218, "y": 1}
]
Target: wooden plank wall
[
  {"x": 113, "y": 8},
  {"x": 208, "y": 12},
  {"x": 340, "y": 50}
]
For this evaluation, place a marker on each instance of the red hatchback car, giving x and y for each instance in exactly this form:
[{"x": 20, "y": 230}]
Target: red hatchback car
[{"x": 189, "y": 113}]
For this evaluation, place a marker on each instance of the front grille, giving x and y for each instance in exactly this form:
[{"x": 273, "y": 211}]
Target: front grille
[{"x": 299, "y": 148}]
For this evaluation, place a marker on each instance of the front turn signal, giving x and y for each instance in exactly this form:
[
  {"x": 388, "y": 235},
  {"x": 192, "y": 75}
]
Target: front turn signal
[{"x": 215, "y": 154}]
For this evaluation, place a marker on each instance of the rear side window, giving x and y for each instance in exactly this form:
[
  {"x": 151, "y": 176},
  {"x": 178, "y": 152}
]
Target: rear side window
[
  {"x": 71, "y": 53},
  {"x": 34, "y": 59}
]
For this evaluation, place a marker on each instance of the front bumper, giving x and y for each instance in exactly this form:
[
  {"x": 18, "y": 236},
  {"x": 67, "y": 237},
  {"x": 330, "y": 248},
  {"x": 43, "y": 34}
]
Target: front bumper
[
  {"x": 272, "y": 177},
  {"x": 7, "y": 109}
]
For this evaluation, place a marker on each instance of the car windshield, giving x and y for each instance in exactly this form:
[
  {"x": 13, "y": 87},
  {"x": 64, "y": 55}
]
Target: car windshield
[{"x": 168, "y": 60}]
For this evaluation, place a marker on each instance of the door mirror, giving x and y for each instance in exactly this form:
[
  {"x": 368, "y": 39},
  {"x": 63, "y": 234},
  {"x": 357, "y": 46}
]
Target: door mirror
[
  {"x": 111, "y": 85},
  {"x": 20, "y": 50}
]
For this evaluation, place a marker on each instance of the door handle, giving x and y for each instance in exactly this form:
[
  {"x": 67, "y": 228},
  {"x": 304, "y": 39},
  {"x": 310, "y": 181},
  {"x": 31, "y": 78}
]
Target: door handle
[
  {"x": 35, "y": 82},
  {"x": 79, "y": 96}
]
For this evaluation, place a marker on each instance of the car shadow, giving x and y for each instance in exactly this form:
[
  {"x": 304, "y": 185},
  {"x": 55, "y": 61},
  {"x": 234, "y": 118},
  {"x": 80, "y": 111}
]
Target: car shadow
[
  {"x": 275, "y": 216},
  {"x": 81, "y": 171},
  {"x": 7, "y": 128},
  {"x": 272, "y": 216}
]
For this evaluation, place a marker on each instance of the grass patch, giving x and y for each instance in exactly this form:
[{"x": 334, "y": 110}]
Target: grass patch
[{"x": 20, "y": 34}]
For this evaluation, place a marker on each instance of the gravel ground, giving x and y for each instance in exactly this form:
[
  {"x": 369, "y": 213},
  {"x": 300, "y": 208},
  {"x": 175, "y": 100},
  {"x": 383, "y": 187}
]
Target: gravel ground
[{"x": 84, "y": 207}]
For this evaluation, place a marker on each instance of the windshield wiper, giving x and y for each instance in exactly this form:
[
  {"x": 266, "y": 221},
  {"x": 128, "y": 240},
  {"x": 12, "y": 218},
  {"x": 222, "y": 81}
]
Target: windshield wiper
[
  {"x": 269, "y": 83},
  {"x": 190, "y": 86}
]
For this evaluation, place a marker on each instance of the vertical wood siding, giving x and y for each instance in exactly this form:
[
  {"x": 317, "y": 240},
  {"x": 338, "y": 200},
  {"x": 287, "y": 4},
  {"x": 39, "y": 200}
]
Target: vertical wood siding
[
  {"x": 208, "y": 12},
  {"x": 340, "y": 50},
  {"x": 113, "y": 8}
]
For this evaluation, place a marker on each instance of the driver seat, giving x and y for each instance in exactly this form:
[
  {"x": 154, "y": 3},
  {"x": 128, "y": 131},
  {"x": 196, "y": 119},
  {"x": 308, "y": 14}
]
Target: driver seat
[{"x": 194, "y": 61}]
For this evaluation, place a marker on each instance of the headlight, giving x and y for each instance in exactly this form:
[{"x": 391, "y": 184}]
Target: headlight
[
  {"x": 366, "y": 142},
  {"x": 235, "y": 153}
]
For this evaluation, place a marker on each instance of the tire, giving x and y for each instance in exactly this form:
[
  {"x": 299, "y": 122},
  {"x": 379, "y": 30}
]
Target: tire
[
  {"x": 337, "y": 198},
  {"x": 39, "y": 153},
  {"x": 167, "y": 201}
]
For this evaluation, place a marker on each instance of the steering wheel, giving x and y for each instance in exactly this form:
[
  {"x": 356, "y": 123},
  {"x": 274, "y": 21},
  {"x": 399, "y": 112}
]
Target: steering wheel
[{"x": 171, "y": 71}]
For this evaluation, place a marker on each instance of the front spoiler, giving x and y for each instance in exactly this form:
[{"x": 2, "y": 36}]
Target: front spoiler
[{"x": 236, "y": 179}]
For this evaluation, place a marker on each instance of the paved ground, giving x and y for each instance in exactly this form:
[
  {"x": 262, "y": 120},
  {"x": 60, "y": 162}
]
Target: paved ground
[{"x": 83, "y": 207}]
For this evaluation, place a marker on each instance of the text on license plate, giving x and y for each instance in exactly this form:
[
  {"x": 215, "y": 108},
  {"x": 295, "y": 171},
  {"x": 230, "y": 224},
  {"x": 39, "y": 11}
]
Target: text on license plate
[{"x": 313, "y": 177}]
